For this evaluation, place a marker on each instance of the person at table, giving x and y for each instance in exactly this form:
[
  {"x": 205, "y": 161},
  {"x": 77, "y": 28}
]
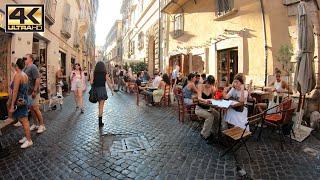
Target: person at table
[
  {"x": 203, "y": 78},
  {"x": 164, "y": 83},
  {"x": 237, "y": 114},
  {"x": 190, "y": 89},
  {"x": 139, "y": 81},
  {"x": 278, "y": 87},
  {"x": 157, "y": 80},
  {"x": 206, "y": 91}
]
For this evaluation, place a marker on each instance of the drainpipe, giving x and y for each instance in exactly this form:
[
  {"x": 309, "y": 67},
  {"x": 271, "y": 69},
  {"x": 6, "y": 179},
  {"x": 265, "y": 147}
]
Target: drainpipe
[
  {"x": 265, "y": 43},
  {"x": 159, "y": 39}
]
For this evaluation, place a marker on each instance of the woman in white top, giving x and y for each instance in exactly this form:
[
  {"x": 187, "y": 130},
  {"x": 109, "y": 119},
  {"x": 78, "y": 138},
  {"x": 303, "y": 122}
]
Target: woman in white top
[
  {"x": 237, "y": 114},
  {"x": 278, "y": 87},
  {"x": 78, "y": 85}
]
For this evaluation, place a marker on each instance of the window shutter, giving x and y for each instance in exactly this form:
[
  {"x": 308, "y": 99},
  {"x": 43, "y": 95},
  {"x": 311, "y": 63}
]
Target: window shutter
[{"x": 67, "y": 10}]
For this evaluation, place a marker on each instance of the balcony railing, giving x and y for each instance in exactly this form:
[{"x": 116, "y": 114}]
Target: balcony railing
[
  {"x": 50, "y": 11},
  {"x": 224, "y": 7},
  {"x": 66, "y": 27}
]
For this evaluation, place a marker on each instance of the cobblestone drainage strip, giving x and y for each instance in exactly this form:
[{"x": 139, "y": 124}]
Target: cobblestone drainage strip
[{"x": 127, "y": 144}]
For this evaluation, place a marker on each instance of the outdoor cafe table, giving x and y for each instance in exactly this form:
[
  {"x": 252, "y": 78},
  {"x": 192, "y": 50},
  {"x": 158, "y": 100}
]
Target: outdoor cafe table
[
  {"x": 221, "y": 106},
  {"x": 261, "y": 96}
]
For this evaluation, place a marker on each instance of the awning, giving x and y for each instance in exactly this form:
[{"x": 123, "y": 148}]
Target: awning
[{"x": 174, "y": 6}]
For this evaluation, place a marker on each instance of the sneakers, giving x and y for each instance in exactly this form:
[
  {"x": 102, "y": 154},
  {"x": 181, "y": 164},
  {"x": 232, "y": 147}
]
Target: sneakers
[
  {"x": 41, "y": 129},
  {"x": 26, "y": 144},
  {"x": 24, "y": 139},
  {"x": 18, "y": 124},
  {"x": 33, "y": 127}
]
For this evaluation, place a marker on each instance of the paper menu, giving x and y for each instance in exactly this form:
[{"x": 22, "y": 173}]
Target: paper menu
[{"x": 223, "y": 103}]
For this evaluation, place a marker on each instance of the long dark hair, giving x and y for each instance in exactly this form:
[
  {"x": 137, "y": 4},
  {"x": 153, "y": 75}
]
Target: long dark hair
[
  {"x": 20, "y": 63},
  {"x": 79, "y": 68},
  {"x": 100, "y": 68},
  {"x": 166, "y": 78}
]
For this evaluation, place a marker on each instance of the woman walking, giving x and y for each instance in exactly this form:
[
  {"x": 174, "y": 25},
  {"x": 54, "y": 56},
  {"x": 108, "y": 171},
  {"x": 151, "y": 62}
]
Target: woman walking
[
  {"x": 99, "y": 80},
  {"x": 78, "y": 86},
  {"x": 19, "y": 102}
]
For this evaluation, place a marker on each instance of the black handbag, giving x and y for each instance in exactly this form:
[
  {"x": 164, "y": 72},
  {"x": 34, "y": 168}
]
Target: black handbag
[
  {"x": 21, "y": 102},
  {"x": 93, "y": 95}
]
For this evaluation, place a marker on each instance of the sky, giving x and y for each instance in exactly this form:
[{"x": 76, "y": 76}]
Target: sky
[{"x": 108, "y": 13}]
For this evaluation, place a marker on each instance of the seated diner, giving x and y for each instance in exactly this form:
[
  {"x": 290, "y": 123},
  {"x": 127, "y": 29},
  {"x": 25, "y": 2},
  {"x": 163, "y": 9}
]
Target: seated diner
[
  {"x": 238, "y": 114},
  {"x": 206, "y": 92},
  {"x": 189, "y": 89}
]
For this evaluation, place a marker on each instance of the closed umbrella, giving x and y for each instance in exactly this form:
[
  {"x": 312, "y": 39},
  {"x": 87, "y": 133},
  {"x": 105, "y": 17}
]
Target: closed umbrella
[{"x": 304, "y": 75}]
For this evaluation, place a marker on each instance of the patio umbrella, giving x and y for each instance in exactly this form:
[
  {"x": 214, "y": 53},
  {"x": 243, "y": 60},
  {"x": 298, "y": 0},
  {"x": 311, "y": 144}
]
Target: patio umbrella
[
  {"x": 304, "y": 79},
  {"x": 304, "y": 75}
]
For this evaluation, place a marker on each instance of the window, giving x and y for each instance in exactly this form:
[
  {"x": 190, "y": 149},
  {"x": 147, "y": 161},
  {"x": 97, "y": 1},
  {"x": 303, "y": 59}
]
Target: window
[
  {"x": 224, "y": 6},
  {"x": 178, "y": 25},
  {"x": 141, "y": 40},
  {"x": 131, "y": 48}
]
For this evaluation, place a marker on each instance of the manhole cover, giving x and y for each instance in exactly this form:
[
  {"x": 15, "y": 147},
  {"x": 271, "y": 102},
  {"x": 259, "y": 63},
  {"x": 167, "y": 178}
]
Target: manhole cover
[{"x": 131, "y": 145}]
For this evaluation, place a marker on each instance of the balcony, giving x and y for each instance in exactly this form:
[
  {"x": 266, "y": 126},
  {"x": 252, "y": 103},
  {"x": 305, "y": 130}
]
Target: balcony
[
  {"x": 83, "y": 23},
  {"x": 76, "y": 41},
  {"x": 173, "y": 6},
  {"x": 50, "y": 11},
  {"x": 66, "y": 27}
]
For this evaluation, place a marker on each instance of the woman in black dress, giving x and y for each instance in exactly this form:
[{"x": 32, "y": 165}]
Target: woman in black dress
[{"x": 99, "y": 80}]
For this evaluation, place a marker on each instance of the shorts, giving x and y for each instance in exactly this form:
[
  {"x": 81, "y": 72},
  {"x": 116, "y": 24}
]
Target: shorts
[
  {"x": 34, "y": 101},
  {"x": 78, "y": 85}
]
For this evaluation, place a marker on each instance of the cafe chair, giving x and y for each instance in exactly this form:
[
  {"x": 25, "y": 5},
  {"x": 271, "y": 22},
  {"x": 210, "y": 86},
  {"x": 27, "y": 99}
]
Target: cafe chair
[
  {"x": 281, "y": 120},
  {"x": 138, "y": 94},
  {"x": 182, "y": 107},
  {"x": 239, "y": 136},
  {"x": 165, "y": 100}
]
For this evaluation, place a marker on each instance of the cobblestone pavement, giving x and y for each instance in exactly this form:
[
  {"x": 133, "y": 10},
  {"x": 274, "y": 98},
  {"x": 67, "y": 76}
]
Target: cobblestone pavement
[{"x": 73, "y": 147}]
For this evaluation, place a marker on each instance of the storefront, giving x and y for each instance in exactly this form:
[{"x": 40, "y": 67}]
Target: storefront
[
  {"x": 39, "y": 52},
  {"x": 5, "y": 59},
  {"x": 227, "y": 65},
  {"x": 182, "y": 61}
]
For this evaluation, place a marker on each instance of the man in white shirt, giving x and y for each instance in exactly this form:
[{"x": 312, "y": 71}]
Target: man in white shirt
[
  {"x": 157, "y": 80},
  {"x": 175, "y": 74}
]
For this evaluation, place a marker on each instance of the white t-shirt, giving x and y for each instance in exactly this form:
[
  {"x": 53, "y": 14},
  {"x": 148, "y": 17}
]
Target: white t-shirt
[
  {"x": 175, "y": 74},
  {"x": 156, "y": 81},
  {"x": 235, "y": 94}
]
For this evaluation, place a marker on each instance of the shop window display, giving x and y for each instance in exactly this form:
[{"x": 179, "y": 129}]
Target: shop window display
[{"x": 39, "y": 51}]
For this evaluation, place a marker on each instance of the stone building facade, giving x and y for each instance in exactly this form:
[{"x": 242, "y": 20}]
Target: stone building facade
[
  {"x": 113, "y": 44},
  {"x": 229, "y": 36}
]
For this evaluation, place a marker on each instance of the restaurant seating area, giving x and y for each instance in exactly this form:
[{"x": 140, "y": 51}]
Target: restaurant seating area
[{"x": 276, "y": 120}]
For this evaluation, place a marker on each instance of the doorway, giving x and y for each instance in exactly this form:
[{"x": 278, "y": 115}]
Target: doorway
[
  {"x": 63, "y": 61},
  {"x": 227, "y": 65}
]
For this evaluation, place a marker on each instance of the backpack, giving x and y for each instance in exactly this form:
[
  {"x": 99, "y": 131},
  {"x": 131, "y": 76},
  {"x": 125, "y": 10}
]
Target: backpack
[{"x": 121, "y": 73}]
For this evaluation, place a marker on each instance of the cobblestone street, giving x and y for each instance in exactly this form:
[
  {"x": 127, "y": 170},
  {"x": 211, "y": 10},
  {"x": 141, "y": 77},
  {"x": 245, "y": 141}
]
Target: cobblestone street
[{"x": 73, "y": 147}]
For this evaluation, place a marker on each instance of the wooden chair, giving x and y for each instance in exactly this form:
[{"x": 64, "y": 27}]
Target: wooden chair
[
  {"x": 281, "y": 119},
  {"x": 138, "y": 94},
  {"x": 183, "y": 108},
  {"x": 165, "y": 101},
  {"x": 240, "y": 136}
]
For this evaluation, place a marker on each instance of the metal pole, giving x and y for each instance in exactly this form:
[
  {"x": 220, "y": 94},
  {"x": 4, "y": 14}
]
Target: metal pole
[
  {"x": 265, "y": 43},
  {"x": 160, "y": 40}
]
